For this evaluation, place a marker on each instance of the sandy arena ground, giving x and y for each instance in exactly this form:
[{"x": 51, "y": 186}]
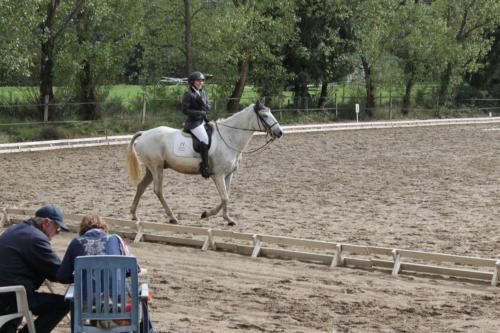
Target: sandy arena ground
[{"x": 434, "y": 189}]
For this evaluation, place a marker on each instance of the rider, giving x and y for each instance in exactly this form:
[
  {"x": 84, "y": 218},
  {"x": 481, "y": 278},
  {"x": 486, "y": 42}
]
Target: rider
[{"x": 195, "y": 105}]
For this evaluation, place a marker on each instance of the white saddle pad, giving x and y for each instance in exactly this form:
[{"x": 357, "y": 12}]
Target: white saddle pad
[{"x": 183, "y": 145}]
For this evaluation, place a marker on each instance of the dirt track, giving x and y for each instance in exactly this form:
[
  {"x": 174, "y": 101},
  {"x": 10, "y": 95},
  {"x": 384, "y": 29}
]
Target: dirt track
[{"x": 431, "y": 189}]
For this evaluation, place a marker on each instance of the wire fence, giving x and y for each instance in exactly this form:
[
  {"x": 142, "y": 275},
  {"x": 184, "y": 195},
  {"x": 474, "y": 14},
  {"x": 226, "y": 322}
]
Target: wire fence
[{"x": 47, "y": 121}]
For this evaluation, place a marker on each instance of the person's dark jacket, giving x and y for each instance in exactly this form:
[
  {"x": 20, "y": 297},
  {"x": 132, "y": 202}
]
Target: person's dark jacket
[
  {"x": 196, "y": 107},
  {"x": 26, "y": 257}
]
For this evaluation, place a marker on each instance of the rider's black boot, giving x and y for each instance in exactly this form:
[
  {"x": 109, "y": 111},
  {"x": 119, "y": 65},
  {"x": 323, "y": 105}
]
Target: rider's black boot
[{"x": 204, "y": 168}]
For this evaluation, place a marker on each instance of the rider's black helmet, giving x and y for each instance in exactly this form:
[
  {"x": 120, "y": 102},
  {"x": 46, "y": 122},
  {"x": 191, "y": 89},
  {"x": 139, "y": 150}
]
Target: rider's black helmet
[{"x": 195, "y": 76}]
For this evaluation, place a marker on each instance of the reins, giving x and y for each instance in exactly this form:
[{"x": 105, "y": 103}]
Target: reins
[{"x": 243, "y": 129}]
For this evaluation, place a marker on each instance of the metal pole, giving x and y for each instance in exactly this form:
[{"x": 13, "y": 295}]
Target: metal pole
[
  {"x": 390, "y": 108},
  {"x": 143, "y": 118}
]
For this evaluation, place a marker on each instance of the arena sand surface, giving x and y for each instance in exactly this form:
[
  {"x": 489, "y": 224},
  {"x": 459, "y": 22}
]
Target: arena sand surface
[{"x": 434, "y": 189}]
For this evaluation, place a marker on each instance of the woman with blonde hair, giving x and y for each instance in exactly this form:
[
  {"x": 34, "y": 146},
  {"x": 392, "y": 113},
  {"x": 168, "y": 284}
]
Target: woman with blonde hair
[{"x": 94, "y": 239}]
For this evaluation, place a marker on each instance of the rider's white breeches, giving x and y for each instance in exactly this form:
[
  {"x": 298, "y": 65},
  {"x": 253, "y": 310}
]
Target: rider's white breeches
[{"x": 200, "y": 133}]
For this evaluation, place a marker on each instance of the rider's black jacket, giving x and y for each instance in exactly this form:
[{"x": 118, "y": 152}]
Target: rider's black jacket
[{"x": 196, "y": 106}]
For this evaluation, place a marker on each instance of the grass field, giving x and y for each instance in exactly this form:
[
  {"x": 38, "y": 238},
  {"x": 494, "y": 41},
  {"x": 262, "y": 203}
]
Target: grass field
[{"x": 126, "y": 93}]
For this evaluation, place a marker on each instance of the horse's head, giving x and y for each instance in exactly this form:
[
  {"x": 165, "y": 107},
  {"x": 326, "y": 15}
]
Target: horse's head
[{"x": 266, "y": 120}]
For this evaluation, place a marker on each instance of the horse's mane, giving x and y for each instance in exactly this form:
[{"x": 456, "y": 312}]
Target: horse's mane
[{"x": 235, "y": 114}]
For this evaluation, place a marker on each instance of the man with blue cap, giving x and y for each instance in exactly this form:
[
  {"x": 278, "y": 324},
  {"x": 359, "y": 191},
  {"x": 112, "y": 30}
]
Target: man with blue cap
[{"x": 28, "y": 259}]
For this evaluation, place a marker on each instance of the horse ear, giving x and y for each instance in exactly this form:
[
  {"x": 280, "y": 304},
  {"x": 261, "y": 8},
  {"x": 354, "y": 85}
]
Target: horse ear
[
  {"x": 260, "y": 104},
  {"x": 257, "y": 106}
]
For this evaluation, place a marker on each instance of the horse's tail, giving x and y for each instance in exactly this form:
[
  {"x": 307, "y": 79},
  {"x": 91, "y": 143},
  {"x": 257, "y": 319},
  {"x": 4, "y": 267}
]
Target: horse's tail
[{"x": 133, "y": 166}]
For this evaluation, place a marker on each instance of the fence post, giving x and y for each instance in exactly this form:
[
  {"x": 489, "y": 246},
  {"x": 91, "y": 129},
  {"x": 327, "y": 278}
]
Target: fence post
[
  {"x": 336, "y": 108},
  {"x": 143, "y": 118},
  {"x": 390, "y": 108},
  {"x": 46, "y": 109},
  {"x": 280, "y": 106}
]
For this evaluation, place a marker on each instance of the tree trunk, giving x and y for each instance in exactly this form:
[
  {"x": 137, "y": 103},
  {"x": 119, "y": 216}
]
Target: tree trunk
[
  {"x": 88, "y": 108},
  {"x": 234, "y": 99},
  {"x": 188, "y": 37},
  {"x": 301, "y": 95},
  {"x": 370, "y": 88},
  {"x": 87, "y": 95},
  {"x": 323, "y": 95},
  {"x": 407, "y": 97},
  {"x": 445, "y": 86},
  {"x": 47, "y": 57}
]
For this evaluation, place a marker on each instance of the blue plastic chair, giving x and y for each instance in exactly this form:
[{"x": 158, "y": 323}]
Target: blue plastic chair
[{"x": 103, "y": 286}]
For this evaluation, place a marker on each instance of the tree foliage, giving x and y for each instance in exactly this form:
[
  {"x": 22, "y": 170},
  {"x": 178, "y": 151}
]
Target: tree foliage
[{"x": 84, "y": 45}]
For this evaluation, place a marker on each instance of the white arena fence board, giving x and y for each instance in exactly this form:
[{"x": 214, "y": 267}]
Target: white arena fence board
[
  {"x": 480, "y": 269},
  {"x": 125, "y": 139}
]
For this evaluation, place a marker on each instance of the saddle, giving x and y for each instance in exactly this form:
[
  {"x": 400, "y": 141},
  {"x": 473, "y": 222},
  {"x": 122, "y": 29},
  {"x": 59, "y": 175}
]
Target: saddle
[{"x": 196, "y": 142}]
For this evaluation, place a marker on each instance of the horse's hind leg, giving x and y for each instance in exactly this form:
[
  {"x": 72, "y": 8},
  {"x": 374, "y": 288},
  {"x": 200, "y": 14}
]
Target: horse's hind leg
[
  {"x": 158, "y": 189},
  {"x": 146, "y": 180}
]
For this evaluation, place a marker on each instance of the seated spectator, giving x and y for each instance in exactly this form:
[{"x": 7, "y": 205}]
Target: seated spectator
[
  {"x": 94, "y": 239},
  {"x": 27, "y": 258}
]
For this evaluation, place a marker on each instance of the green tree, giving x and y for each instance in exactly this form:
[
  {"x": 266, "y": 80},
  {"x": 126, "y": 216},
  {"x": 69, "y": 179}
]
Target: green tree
[
  {"x": 488, "y": 76},
  {"x": 56, "y": 17},
  {"x": 370, "y": 23},
  {"x": 244, "y": 44},
  {"x": 176, "y": 34},
  {"x": 97, "y": 48},
  {"x": 417, "y": 40},
  {"x": 321, "y": 50},
  {"x": 17, "y": 45},
  {"x": 468, "y": 23}
]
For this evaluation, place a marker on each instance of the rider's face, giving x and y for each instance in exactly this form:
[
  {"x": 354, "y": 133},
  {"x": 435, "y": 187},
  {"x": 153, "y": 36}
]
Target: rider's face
[{"x": 198, "y": 84}]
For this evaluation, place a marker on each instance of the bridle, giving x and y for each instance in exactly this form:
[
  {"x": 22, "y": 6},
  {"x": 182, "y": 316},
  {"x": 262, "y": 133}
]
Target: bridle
[{"x": 263, "y": 127}]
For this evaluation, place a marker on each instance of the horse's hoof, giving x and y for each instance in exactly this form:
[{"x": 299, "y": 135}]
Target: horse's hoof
[
  {"x": 172, "y": 221},
  {"x": 231, "y": 223},
  {"x": 134, "y": 218},
  {"x": 204, "y": 215}
]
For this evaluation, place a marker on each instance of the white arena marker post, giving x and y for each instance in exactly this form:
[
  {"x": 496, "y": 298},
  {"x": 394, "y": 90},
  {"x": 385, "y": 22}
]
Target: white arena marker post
[
  {"x": 256, "y": 245},
  {"x": 337, "y": 259},
  {"x": 139, "y": 232},
  {"x": 209, "y": 242},
  {"x": 397, "y": 262},
  {"x": 357, "y": 113},
  {"x": 4, "y": 219},
  {"x": 496, "y": 274}
]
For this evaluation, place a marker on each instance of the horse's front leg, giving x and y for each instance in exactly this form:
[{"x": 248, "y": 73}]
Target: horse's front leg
[{"x": 220, "y": 183}]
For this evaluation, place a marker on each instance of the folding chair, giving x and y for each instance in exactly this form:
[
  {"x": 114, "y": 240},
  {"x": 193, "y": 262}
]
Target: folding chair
[
  {"x": 105, "y": 296},
  {"x": 22, "y": 307}
]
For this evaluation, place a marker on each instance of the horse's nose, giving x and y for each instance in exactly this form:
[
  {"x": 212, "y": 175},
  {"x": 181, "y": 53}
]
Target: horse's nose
[{"x": 279, "y": 133}]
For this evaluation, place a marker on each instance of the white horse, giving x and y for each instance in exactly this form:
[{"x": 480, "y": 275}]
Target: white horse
[{"x": 163, "y": 147}]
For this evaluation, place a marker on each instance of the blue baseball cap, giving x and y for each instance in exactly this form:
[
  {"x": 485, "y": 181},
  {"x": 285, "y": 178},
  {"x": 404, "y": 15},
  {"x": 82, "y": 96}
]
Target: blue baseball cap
[{"x": 54, "y": 213}]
